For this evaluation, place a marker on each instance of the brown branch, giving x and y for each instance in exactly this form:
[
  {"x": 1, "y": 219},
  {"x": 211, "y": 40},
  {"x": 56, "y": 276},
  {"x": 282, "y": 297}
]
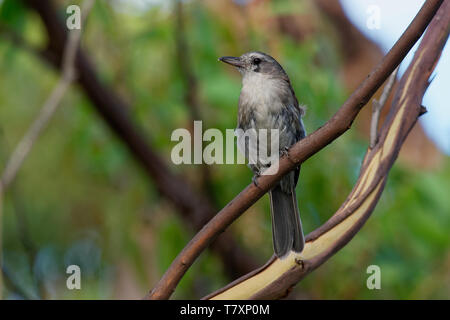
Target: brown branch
[
  {"x": 298, "y": 153},
  {"x": 195, "y": 209},
  {"x": 359, "y": 55},
  {"x": 277, "y": 277}
]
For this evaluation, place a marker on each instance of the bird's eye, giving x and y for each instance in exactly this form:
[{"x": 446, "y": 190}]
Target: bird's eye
[{"x": 256, "y": 61}]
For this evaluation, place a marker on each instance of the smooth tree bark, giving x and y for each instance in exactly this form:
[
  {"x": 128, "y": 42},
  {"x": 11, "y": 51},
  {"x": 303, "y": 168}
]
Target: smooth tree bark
[
  {"x": 276, "y": 278},
  {"x": 299, "y": 153}
]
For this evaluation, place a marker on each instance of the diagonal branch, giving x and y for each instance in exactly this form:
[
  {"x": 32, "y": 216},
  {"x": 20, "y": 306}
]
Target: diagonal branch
[
  {"x": 277, "y": 277},
  {"x": 298, "y": 153}
]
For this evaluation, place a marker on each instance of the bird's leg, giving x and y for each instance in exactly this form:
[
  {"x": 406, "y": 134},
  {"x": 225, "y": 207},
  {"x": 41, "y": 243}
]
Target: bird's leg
[
  {"x": 256, "y": 175},
  {"x": 285, "y": 151},
  {"x": 255, "y": 179}
]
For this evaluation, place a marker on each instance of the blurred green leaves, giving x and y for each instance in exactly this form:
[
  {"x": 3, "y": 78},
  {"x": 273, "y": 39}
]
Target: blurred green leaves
[
  {"x": 87, "y": 202},
  {"x": 13, "y": 13}
]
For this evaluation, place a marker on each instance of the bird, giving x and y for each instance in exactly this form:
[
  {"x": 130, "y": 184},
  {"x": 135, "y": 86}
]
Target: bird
[{"x": 267, "y": 101}]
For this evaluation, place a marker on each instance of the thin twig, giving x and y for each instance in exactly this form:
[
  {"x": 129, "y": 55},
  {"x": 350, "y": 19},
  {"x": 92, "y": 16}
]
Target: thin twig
[
  {"x": 377, "y": 106},
  {"x": 298, "y": 153},
  {"x": 24, "y": 146},
  {"x": 50, "y": 106}
]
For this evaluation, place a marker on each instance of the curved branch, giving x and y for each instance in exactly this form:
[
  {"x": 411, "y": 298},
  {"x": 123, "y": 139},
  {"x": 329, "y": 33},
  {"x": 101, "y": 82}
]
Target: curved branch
[
  {"x": 297, "y": 154},
  {"x": 277, "y": 277}
]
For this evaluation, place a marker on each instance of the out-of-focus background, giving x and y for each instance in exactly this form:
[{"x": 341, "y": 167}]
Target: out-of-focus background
[{"x": 83, "y": 198}]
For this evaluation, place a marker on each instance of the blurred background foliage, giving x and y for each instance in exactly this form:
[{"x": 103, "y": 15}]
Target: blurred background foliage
[{"x": 81, "y": 198}]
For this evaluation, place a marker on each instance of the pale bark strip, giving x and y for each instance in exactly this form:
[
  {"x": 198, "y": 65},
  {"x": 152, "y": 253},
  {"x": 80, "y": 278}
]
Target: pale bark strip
[
  {"x": 378, "y": 105},
  {"x": 277, "y": 277}
]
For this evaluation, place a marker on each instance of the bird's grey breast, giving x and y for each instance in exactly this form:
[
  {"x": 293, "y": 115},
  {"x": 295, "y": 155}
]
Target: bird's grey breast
[
  {"x": 269, "y": 103},
  {"x": 262, "y": 100}
]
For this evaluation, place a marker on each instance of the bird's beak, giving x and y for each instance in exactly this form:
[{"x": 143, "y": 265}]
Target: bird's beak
[{"x": 234, "y": 61}]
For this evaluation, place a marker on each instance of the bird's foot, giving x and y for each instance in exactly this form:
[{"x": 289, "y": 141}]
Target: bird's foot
[
  {"x": 300, "y": 263},
  {"x": 285, "y": 152},
  {"x": 255, "y": 179}
]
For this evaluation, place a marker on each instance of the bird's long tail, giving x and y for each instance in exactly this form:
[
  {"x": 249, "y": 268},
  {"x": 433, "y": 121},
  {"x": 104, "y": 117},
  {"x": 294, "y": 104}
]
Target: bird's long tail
[{"x": 287, "y": 230}]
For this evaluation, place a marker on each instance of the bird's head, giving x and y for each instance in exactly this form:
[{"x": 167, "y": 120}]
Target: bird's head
[{"x": 252, "y": 63}]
